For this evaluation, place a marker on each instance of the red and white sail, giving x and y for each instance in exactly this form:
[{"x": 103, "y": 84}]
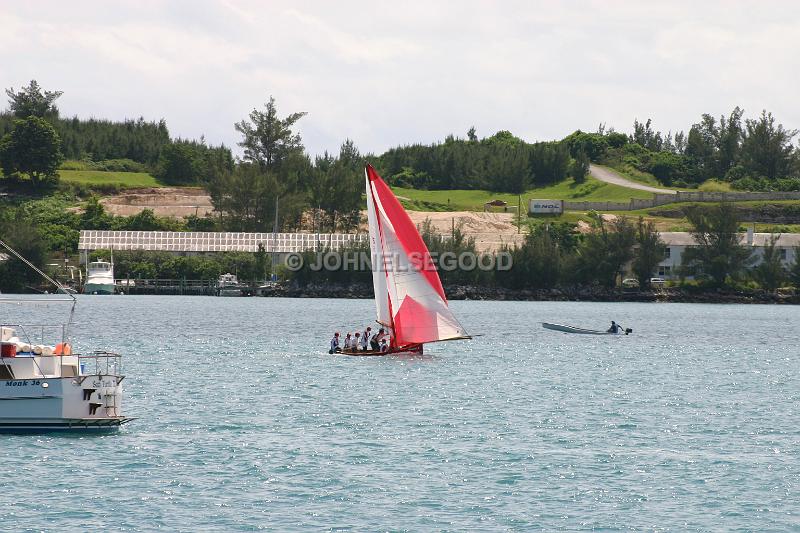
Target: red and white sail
[{"x": 408, "y": 293}]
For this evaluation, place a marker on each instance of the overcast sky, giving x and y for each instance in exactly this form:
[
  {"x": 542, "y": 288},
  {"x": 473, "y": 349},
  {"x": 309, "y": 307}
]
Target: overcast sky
[{"x": 389, "y": 73}]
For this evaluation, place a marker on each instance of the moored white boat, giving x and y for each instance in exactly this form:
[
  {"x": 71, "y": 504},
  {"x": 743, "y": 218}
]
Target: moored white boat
[
  {"x": 409, "y": 298},
  {"x": 228, "y": 285},
  {"x": 99, "y": 278}
]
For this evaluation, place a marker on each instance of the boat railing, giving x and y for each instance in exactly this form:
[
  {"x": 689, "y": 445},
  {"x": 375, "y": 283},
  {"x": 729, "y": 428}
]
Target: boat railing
[
  {"x": 39, "y": 332},
  {"x": 29, "y": 333},
  {"x": 104, "y": 363},
  {"x": 97, "y": 362}
]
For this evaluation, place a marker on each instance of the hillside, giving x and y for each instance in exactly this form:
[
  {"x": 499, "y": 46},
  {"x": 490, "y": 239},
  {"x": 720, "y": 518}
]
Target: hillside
[
  {"x": 103, "y": 179},
  {"x": 473, "y": 200}
]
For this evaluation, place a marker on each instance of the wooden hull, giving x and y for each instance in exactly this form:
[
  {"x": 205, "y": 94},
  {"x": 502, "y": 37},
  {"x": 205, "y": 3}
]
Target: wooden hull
[{"x": 416, "y": 350}]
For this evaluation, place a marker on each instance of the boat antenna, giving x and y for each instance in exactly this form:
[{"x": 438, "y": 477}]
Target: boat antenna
[{"x": 45, "y": 276}]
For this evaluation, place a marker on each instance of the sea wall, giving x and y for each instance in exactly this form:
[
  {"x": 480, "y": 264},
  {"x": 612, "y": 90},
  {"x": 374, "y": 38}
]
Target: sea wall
[{"x": 577, "y": 294}]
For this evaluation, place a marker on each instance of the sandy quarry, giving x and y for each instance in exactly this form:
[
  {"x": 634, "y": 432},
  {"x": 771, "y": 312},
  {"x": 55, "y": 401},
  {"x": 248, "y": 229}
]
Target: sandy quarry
[
  {"x": 491, "y": 231},
  {"x": 164, "y": 201}
]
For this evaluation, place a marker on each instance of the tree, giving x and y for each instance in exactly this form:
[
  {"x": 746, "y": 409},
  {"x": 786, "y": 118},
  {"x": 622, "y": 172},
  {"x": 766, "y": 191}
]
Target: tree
[
  {"x": 645, "y": 136},
  {"x": 700, "y": 146},
  {"x": 719, "y": 252},
  {"x": 729, "y": 136},
  {"x": 650, "y": 252},
  {"x": 472, "y": 135},
  {"x": 667, "y": 167},
  {"x": 616, "y": 140},
  {"x": 17, "y": 230},
  {"x": 31, "y": 101},
  {"x": 537, "y": 263},
  {"x": 246, "y": 197},
  {"x": 794, "y": 271},
  {"x": 33, "y": 148},
  {"x": 766, "y": 147},
  {"x": 335, "y": 187},
  {"x": 579, "y": 168},
  {"x": 503, "y": 137},
  {"x": 94, "y": 215},
  {"x": 509, "y": 168},
  {"x": 268, "y": 139},
  {"x": 603, "y": 252},
  {"x": 770, "y": 272},
  {"x": 593, "y": 145},
  {"x": 181, "y": 163}
]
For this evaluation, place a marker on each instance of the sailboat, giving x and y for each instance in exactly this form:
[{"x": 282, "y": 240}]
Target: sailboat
[{"x": 409, "y": 297}]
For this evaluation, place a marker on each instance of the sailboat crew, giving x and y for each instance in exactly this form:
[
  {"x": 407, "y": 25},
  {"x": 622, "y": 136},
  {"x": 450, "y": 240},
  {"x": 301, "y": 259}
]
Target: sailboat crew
[
  {"x": 348, "y": 341},
  {"x": 365, "y": 339},
  {"x": 356, "y": 341},
  {"x": 384, "y": 345},
  {"x": 335, "y": 343},
  {"x": 375, "y": 342}
]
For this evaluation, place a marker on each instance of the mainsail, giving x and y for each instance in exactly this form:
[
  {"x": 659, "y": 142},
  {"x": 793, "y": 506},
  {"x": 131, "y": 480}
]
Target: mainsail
[{"x": 408, "y": 292}]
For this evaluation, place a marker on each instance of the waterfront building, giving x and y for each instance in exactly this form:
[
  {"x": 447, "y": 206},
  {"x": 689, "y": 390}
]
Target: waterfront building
[{"x": 677, "y": 242}]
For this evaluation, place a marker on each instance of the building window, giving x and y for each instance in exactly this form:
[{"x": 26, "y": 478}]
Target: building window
[
  {"x": 783, "y": 254},
  {"x": 667, "y": 252}
]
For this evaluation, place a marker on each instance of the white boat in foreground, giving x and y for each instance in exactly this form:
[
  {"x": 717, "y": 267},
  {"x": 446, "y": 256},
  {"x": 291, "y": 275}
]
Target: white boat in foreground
[
  {"x": 409, "y": 297},
  {"x": 45, "y": 385},
  {"x": 48, "y": 387},
  {"x": 574, "y": 329}
]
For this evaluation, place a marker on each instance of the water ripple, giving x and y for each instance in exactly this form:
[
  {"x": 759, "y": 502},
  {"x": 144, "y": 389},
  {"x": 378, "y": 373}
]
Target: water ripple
[{"x": 245, "y": 423}]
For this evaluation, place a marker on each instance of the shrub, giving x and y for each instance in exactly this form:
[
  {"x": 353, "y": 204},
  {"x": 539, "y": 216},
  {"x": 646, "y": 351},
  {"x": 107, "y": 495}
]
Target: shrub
[
  {"x": 120, "y": 165},
  {"x": 616, "y": 140},
  {"x": 667, "y": 167}
]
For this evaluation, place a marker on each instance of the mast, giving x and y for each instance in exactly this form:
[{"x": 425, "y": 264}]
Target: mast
[{"x": 378, "y": 257}]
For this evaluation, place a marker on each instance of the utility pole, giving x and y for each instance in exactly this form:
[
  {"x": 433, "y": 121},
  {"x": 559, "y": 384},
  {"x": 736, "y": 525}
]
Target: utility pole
[
  {"x": 319, "y": 208},
  {"x": 519, "y": 213},
  {"x": 274, "y": 275}
]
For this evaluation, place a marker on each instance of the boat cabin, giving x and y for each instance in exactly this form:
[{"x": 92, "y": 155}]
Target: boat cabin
[{"x": 99, "y": 266}]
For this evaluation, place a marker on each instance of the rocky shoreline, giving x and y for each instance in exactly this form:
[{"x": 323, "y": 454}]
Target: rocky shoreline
[{"x": 582, "y": 294}]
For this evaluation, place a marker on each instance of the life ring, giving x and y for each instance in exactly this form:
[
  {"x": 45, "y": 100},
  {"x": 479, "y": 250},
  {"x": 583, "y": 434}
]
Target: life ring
[{"x": 62, "y": 348}]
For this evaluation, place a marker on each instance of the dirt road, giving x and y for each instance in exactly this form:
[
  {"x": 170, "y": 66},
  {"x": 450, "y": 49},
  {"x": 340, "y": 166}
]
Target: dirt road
[{"x": 609, "y": 176}]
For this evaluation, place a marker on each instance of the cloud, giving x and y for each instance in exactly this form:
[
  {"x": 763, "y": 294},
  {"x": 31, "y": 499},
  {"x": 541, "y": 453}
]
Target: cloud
[{"x": 385, "y": 74}]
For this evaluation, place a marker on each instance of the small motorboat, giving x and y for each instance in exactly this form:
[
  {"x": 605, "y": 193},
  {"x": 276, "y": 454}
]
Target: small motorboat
[{"x": 574, "y": 329}]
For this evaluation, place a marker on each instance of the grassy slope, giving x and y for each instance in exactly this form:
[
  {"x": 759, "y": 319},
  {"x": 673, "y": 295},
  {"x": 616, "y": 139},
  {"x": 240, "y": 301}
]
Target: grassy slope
[
  {"x": 469, "y": 200},
  {"x": 682, "y": 223},
  {"x": 101, "y": 178},
  {"x": 645, "y": 178}
]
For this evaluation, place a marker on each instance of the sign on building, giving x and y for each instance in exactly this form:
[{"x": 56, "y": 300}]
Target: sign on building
[{"x": 546, "y": 206}]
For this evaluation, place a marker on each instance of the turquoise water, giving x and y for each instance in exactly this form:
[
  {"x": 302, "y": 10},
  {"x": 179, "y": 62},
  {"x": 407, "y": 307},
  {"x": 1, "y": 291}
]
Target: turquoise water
[{"x": 245, "y": 423}]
